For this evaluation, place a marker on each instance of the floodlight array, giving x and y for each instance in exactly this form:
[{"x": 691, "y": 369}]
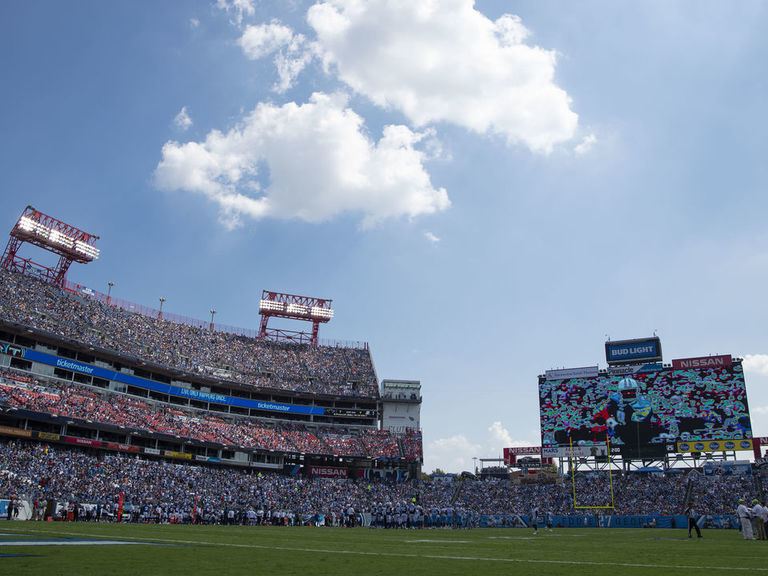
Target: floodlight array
[
  {"x": 291, "y": 306},
  {"x": 298, "y": 309},
  {"x": 320, "y": 312},
  {"x": 295, "y": 309},
  {"x": 271, "y": 305},
  {"x": 57, "y": 238}
]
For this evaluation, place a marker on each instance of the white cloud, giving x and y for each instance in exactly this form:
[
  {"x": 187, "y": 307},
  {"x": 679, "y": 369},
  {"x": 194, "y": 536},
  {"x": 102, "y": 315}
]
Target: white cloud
[
  {"x": 194, "y": 23},
  {"x": 183, "y": 120},
  {"x": 321, "y": 163},
  {"x": 586, "y": 144},
  {"x": 455, "y": 454},
  {"x": 292, "y": 54},
  {"x": 499, "y": 437},
  {"x": 446, "y": 62},
  {"x": 756, "y": 364},
  {"x": 239, "y": 9},
  {"x": 262, "y": 40},
  {"x": 431, "y": 237},
  {"x": 452, "y": 454},
  {"x": 289, "y": 65}
]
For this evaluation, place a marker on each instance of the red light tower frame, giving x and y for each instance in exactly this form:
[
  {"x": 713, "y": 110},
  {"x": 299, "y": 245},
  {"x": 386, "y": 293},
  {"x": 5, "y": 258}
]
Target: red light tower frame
[
  {"x": 293, "y": 307},
  {"x": 69, "y": 243}
]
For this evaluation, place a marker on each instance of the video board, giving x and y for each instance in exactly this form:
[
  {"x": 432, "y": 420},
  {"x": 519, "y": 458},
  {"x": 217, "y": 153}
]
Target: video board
[{"x": 644, "y": 412}]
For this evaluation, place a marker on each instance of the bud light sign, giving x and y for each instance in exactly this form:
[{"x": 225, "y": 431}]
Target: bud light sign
[{"x": 633, "y": 351}]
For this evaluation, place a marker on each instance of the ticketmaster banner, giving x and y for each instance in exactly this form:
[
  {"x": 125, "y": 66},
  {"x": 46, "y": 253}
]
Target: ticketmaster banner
[{"x": 97, "y": 371}]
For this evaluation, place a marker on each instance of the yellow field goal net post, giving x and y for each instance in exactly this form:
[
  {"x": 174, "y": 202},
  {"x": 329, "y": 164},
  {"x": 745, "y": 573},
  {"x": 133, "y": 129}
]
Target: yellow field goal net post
[{"x": 572, "y": 463}]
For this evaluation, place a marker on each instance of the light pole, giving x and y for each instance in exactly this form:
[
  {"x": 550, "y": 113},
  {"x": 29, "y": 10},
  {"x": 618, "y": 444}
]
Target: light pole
[
  {"x": 213, "y": 313},
  {"x": 160, "y": 314},
  {"x": 109, "y": 291}
]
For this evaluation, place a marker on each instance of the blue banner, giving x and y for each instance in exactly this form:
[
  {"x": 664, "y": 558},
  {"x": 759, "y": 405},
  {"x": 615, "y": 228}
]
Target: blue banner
[
  {"x": 725, "y": 521},
  {"x": 132, "y": 380},
  {"x": 632, "y": 351}
]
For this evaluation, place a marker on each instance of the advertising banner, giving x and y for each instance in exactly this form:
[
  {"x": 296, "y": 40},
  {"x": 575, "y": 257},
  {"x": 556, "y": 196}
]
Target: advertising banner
[
  {"x": 714, "y": 446},
  {"x": 524, "y": 450},
  {"x": 97, "y": 371},
  {"x": 11, "y": 349},
  {"x": 123, "y": 447},
  {"x": 582, "y": 451},
  {"x": 328, "y": 472},
  {"x": 703, "y": 362},
  {"x": 83, "y": 442},
  {"x": 48, "y": 436},
  {"x": 550, "y": 451},
  {"x": 180, "y": 455},
  {"x": 567, "y": 373},
  {"x": 120, "y": 504},
  {"x": 636, "y": 369},
  {"x": 203, "y": 458},
  {"x": 15, "y": 431},
  {"x": 633, "y": 351}
]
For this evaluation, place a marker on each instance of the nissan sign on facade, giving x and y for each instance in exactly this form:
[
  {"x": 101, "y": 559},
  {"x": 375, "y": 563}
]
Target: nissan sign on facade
[{"x": 703, "y": 362}]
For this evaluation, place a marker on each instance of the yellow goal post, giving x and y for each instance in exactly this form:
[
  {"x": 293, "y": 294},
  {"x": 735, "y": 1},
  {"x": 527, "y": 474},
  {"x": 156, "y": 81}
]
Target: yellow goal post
[{"x": 573, "y": 479}]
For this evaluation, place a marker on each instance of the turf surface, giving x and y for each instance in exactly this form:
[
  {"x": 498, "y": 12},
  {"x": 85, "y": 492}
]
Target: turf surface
[{"x": 72, "y": 548}]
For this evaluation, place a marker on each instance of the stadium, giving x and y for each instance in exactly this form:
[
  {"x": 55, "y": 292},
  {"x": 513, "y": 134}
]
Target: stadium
[{"x": 123, "y": 415}]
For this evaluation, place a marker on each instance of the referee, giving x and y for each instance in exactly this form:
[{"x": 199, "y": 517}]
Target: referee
[{"x": 690, "y": 513}]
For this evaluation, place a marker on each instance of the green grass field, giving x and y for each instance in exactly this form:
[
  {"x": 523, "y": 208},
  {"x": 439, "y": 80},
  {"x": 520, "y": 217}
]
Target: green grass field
[{"x": 223, "y": 550}]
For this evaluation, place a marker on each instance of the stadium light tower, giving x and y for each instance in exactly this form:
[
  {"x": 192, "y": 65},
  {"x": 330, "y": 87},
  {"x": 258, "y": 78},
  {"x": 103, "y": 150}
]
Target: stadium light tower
[
  {"x": 69, "y": 243},
  {"x": 306, "y": 308}
]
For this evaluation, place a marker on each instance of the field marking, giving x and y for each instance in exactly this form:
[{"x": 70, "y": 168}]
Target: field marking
[
  {"x": 430, "y": 556},
  {"x": 75, "y": 543},
  {"x": 438, "y": 541}
]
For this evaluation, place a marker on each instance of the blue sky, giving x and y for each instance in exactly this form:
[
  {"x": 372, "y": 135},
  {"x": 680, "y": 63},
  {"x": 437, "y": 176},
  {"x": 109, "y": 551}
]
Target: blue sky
[{"x": 484, "y": 190}]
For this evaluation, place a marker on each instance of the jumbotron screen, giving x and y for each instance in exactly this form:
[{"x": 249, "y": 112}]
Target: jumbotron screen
[{"x": 641, "y": 413}]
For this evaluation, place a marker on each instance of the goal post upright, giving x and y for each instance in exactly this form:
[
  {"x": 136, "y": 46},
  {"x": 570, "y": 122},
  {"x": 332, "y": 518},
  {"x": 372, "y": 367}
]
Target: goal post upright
[{"x": 572, "y": 462}]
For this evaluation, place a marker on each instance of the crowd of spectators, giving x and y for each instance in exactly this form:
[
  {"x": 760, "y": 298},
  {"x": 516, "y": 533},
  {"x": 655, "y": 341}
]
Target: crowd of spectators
[
  {"x": 162, "y": 490},
  {"x": 299, "y": 368},
  {"x": 86, "y": 403},
  {"x": 411, "y": 444}
]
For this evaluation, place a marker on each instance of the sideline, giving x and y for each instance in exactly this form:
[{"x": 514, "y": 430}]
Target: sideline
[
  {"x": 68, "y": 542},
  {"x": 430, "y": 556}
]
